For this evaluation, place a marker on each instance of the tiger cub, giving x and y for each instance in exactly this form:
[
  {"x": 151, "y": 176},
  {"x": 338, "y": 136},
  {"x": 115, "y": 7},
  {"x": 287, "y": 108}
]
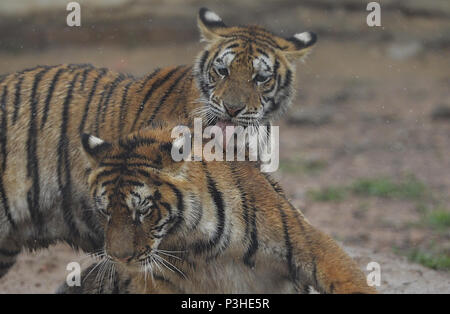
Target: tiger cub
[
  {"x": 244, "y": 76},
  {"x": 195, "y": 227}
]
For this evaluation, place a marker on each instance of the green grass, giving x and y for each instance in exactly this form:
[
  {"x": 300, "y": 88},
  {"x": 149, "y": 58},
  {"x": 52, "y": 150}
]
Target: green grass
[
  {"x": 436, "y": 218},
  {"x": 439, "y": 219},
  {"x": 328, "y": 194},
  {"x": 302, "y": 166},
  {"x": 438, "y": 261},
  {"x": 409, "y": 188}
]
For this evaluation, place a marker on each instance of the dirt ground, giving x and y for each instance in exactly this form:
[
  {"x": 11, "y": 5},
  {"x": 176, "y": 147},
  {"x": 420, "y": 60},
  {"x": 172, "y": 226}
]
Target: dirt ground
[
  {"x": 43, "y": 272},
  {"x": 364, "y": 149}
]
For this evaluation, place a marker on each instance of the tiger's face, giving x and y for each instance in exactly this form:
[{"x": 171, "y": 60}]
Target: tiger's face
[
  {"x": 245, "y": 74},
  {"x": 136, "y": 201}
]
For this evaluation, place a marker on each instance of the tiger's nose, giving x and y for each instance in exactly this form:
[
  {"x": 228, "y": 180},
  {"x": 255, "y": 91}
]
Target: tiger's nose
[{"x": 233, "y": 110}]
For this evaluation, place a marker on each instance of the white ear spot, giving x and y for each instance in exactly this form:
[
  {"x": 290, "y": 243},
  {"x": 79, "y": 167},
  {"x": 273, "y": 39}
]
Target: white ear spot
[
  {"x": 304, "y": 37},
  {"x": 210, "y": 16},
  {"x": 93, "y": 142}
]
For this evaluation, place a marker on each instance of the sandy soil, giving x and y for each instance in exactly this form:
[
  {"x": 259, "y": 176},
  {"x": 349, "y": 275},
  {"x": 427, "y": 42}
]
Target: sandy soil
[{"x": 44, "y": 271}]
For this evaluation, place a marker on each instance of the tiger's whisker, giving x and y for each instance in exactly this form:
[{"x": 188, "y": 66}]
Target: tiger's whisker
[{"x": 163, "y": 260}]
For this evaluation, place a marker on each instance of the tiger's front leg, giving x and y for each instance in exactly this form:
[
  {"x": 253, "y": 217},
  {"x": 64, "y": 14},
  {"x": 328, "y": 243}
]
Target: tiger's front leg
[
  {"x": 9, "y": 250},
  {"x": 313, "y": 257},
  {"x": 103, "y": 278}
]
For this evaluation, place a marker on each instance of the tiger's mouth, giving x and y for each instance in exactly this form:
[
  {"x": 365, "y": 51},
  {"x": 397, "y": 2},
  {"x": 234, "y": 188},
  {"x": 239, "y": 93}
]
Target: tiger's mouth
[
  {"x": 222, "y": 124},
  {"x": 212, "y": 114}
]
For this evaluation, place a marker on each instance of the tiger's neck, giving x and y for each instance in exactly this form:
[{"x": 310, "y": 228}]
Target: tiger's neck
[{"x": 207, "y": 211}]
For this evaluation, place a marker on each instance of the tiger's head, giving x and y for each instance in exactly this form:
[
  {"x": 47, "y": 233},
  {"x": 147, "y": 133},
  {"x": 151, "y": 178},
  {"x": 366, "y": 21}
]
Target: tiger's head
[
  {"x": 245, "y": 74},
  {"x": 135, "y": 186}
]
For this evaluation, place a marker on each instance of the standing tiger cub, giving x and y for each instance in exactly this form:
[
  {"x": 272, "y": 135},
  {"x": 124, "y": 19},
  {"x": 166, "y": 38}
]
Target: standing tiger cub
[
  {"x": 244, "y": 76},
  {"x": 195, "y": 227}
]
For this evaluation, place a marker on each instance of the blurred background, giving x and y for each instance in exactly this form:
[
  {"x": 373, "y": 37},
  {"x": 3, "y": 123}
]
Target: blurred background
[{"x": 365, "y": 148}]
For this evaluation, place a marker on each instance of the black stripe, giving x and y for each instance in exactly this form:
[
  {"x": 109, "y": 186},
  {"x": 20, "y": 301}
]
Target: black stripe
[
  {"x": 6, "y": 265},
  {"x": 64, "y": 175},
  {"x": 103, "y": 105},
  {"x": 3, "y": 77},
  {"x": 276, "y": 67},
  {"x": 314, "y": 273},
  {"x": 203, "y": 59},
  {"x": 9, "y": 253},
  {"x": 287, "y": 242},
  {"x": 331, "y": 288},
  {"x": 274, "y": 74},
  {"x": 97, "y": 115},
  {"x": 220, "y": 206},
  {"x": 84, "y": 76},
  {"x": 180, "y": 206},
  {"x": 253, "y": 244},
  {"x": 3, "y": 134},
  {"x": 150, "y": 91},
  {"x": 4, "y": 129},
  {"x": 262, "y": 52},
  {"x": 5, "y": 203},
  {"x": 203, "y": 84},
  {"x": 166, "y": 281},
  {"x": 17, "y": 99},
  {"x": 261, "y": 40},
  {"x": 167, "y": 94},
  {"x": 216, "y": 196},
  {"x": 123, "y": 107},
  {"x": 276, "y": 105},
  {"x": 275, "y": 185},
  {"x": 130, "y": 144},
  {"x": 147, "y": 79},
  {"x": 235, "y": 45},
  {"x": 132, "y": 183},
  {"x": 244, "y": 203},
  {"x": 287, "y": 79},
  {"x": 88, "y": 217},
  {"x": 102, "y": 73},
  {"x": 110, "y": 182},
  {"x": 32, "y": 157},
  {"x": 124, "y": 288},
  {"x": 49, "y": 96}
]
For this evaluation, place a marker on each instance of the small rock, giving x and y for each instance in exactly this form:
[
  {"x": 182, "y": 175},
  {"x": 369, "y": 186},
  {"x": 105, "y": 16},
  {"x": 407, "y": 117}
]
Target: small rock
[
  {"x": 401, "y": 51},
  {"x": 441, "y": 112}
]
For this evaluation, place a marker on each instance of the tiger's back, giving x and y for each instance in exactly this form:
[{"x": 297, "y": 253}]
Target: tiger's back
[{"x": 42, "y": 173}]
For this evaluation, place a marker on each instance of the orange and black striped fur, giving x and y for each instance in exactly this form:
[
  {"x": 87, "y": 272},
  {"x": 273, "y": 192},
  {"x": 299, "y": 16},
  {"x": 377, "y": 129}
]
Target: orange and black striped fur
[
  {"x": 44, "y": 110},
  {"x": 196, "y": 227}
]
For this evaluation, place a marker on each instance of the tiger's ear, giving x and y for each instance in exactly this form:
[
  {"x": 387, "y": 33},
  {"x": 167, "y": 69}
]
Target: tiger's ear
[
  {"x": 94, "y": 148},
  {"x": 209, "y": 23},
  {"x": 300, "y": 45}
]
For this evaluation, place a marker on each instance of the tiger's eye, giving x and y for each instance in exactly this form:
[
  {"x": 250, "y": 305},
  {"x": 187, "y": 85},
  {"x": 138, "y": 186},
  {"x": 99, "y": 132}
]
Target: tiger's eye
[
  {"x": 222, "y": 71},
  {"x": 145, "y": 210},
  {"x": 261, "y": 78}
]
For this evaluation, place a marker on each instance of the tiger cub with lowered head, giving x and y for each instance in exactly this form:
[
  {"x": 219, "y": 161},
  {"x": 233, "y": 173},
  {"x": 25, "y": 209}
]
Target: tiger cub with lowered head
[
  {"x": 244, "y": 76},
  {"x": 195, "y": 227}
]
